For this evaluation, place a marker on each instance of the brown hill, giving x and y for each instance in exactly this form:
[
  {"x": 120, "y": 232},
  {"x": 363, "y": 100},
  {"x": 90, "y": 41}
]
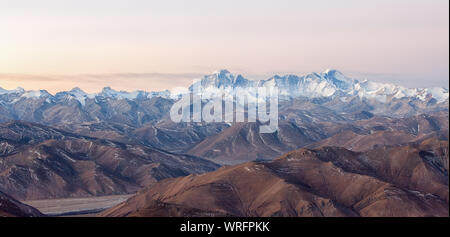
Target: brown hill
[
  {"x": 242, "y": 142},
  {"x": 39, "y": 162},
  {"x": 410, "y": 180},
  {"x": 9, "y": 207},
  {"x": 389, "y": 131},
  {"x": 363, "y": 142}
]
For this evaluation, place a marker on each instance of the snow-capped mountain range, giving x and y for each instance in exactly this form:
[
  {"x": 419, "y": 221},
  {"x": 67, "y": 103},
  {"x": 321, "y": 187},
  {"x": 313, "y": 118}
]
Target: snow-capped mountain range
[{"x": 330, "y": 83}]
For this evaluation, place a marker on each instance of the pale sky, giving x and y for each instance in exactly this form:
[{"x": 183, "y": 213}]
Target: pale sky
[{"x": 154, "y": 45}]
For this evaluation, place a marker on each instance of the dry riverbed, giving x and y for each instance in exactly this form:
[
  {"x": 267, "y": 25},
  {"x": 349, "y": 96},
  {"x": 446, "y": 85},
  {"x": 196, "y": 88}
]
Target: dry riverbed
[{"x": 76, "y": 206}]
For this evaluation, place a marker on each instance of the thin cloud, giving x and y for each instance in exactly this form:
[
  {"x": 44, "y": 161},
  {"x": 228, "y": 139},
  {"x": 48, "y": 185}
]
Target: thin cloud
[{"x": 95, "y": 82}]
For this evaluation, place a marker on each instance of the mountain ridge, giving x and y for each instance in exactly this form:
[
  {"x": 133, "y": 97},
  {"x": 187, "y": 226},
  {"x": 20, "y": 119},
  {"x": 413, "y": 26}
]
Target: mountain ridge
[
  {"x": 328, "y": 181},
  {"x": 329, "y": 83}
]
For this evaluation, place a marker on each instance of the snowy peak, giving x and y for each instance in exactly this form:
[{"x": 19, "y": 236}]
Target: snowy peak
[
  {"x": 18, "y": 90},
  {"x": 222, "y": 73},
  {"x": 36, "y": 94},
  {"x": 338, "y": 79},
  {"x": 75, "y": 94},
  {"x": 330, "y": 83},
  {"x": 219, "y": 79},
  {"x": 77, "y": 90},
  {"x": 108, "y": 92},
  {"x": 240, "y": 81}
]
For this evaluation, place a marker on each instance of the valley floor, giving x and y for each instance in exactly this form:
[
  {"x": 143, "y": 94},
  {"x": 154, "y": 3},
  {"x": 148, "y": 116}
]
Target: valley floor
[{"x": 76, "y": 206}]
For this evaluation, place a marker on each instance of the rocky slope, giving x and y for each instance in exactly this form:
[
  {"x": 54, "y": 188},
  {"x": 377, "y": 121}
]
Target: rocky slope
[
  {"x": 242, "y": 142},
  {"x": 9, "y": 207},
  {"x": 39, "y": 162},
  {"x": 389, "y": 131},
  {"x": 409, "y": 180}
]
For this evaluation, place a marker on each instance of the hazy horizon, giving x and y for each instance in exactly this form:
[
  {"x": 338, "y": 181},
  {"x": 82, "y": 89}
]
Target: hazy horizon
[
  {"x": 94, "y": 83},
  {"x": 153, "y": 45}
]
